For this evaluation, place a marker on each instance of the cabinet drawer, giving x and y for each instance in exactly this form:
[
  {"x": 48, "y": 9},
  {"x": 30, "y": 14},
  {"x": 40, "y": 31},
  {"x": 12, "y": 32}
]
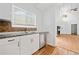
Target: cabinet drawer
[
  {"x": 13, "y": 40},
  {"x": 3, "y": 41}
]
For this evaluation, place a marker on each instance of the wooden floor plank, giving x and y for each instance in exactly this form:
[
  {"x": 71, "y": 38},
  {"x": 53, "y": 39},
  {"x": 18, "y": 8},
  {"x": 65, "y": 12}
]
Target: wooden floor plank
[{"x": 48, "y": 50}]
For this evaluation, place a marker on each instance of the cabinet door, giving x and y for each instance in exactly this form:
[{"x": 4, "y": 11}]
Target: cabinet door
[
  {"x": 3, "y": 46},
  {"x": 13, "y": 46},
  {"x": 34, "y": 43},
  {"x": 29, "y": 44},
  {"x": 25, "y": 45},
  {"x": 42, "y": 40},
  {"x": 3, "y": 50}
]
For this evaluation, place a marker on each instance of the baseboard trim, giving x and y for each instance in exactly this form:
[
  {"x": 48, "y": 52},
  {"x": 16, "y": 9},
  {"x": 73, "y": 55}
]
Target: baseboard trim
[{"x": 51, "y": 45}]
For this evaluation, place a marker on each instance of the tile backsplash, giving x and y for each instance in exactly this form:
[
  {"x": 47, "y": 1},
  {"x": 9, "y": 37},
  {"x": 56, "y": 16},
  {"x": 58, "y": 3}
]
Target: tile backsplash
[{"x": 5, "y": 26}]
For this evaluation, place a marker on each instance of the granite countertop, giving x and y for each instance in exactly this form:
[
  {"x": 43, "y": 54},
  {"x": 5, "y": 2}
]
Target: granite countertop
[{"x": 15, "y": 34}]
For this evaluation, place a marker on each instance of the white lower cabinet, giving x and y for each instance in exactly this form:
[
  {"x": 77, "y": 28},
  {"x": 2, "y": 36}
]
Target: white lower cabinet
[
  {"x": 9, "y": 46},
  {"x": 24, "y": 45},
  {"x": 3, "y": 45},
  {"x": 34, "y": 43},
  {"x": 29, "y": 44},
  {"x": 13, "y": 46},
  {"x": 42, "y": 40},
  {"x": 3, "y": 50}
]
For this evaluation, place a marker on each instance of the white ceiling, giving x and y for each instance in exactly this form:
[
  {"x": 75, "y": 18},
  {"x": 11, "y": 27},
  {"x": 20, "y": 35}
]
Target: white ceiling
[
  {"x": 45, "y": 6},
  {"x": 38, "y": 6}
]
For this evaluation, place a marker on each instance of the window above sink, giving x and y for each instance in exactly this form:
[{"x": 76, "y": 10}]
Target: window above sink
[{"x": 22, "y": 18}]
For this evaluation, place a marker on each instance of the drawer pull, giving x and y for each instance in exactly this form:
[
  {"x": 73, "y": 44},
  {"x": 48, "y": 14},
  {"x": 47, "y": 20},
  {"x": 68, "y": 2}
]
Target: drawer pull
[
  {"x": 18, "y": 44},
  {"x": 11, "y": 40}
]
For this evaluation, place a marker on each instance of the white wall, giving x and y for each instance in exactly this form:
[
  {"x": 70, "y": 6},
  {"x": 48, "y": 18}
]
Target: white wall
[
  {"x": 45, "y": 21},
  {"x": 72, "y": 18},
  {"x": 49, "y": 25},
  {"x": 52, "y": 18},
  {"x": 30, "y": 7},
  {"x": 5, "y": 11}
]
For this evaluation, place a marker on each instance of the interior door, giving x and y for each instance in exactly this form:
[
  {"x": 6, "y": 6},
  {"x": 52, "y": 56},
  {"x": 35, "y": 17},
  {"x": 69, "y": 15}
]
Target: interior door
[
  {"x": 58, "y": 30},
  {"x": 74, "y": 29}
]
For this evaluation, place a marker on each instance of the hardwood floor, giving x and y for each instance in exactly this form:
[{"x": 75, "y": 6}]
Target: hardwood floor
[
  {"x": 70, "y": 42},
  {"x": 65, "y": 45},
  {"x": 63, "y": 51},
  {"x": 48, "y": 50}
]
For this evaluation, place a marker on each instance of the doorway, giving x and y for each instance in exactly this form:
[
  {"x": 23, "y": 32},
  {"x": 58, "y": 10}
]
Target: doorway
[
  {"x": 74, "y": 29},
  {"x": 58, "y": 30}
]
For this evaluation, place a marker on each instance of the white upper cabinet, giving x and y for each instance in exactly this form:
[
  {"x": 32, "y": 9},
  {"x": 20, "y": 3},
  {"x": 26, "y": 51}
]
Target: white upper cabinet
[{"x": 22, "y": 18}]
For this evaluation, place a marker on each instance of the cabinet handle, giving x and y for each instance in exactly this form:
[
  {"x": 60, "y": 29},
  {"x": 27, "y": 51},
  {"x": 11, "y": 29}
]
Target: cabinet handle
[
  {"x": 11, "y": 40},
  {"x": 32, "y": 40},
  {"x": 18, "y": 44}
]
